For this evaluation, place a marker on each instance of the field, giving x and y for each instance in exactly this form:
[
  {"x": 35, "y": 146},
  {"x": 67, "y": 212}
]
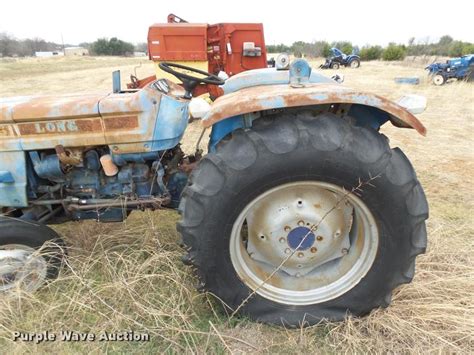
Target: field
[{"x": 128, "y": 276}]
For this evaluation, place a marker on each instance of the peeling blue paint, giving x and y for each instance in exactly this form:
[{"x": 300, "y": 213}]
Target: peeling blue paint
[
  {"x": 269, "y": 76},
  {"x": 319, "y": 97},
  {"x": 13, "y": 193},
  {"x": 223, "y": 128},
  {"x": 171, "y": 123},
  {"x": 369, "y": 100},
  {"x": 6, "y": 176},
  {"x": 272, "y": 102}
]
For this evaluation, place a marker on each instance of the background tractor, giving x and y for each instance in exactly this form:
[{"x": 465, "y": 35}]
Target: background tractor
[
  {"x": 299, "y": 211},
  {"x": 339, "y": 59},
  {"x": 457, "y": 68}
]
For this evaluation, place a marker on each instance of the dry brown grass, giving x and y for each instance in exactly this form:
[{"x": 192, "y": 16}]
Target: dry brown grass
[{"x": 129, "y": 276}]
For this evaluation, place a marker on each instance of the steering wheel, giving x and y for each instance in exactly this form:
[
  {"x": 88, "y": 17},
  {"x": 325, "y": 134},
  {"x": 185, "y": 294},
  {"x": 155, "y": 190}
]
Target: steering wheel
[
  {"x": 134, "y": 82},
  {"x": 190, "y": 82}
]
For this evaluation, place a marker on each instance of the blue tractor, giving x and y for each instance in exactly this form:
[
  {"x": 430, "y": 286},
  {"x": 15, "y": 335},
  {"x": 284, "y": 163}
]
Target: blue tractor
[
  {"x": 338, "y": 59},
  {"x": 299, "y": 211},
  {"x": 461, "y": 68}
]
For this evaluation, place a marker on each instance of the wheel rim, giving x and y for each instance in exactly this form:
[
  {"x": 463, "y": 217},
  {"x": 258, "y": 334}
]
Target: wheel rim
[
  {"x": 303, "y": 243},
  {"x": 354, "y": 64},
  {"x": 438, "y": 79},
  {"x": 21, "y": 267}
]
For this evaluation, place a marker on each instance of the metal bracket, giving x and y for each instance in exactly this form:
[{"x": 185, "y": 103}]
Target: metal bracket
[
  {"x": 249, "y": 118},
  {"x": 300, "y": 71}
]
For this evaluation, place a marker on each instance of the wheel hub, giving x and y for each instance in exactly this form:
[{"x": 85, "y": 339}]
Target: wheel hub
[
  {"x": 301, "y": 238},
  {"x": 296, "y": 225}
]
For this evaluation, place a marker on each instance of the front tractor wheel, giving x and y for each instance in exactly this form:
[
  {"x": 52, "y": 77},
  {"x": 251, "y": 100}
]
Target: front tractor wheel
[
  {"x": 303, "y": 218},
  {"x": 334, "y": 65},
  {"x": 30, "y": 255}
]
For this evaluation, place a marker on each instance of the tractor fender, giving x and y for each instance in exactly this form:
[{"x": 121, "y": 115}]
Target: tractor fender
[{"x": 268, "y": 97}]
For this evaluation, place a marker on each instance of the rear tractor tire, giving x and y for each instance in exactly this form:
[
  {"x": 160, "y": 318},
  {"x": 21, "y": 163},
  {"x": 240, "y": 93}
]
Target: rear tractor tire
[
  {"x": 303, "y": 218},
  {"x": 334, "y": 66},
  {"x": 439, "y": 79},
  {"x": 30, "y": 255},
  {"x": 354, "y": 63}
]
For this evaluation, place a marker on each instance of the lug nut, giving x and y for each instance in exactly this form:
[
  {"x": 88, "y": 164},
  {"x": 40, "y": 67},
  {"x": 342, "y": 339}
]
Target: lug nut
[
  {"x": 281, "y": 240},
  {"x": 344, "y": 251},
  {"x": 319, "y": 238},
  {"x": 287, "y": 228},
  {"x": 287, "y": 251},
  {"x": 300, "y": 254},
  {"x": 301, "y": 222},
  {"x": 314, "y": 250}
]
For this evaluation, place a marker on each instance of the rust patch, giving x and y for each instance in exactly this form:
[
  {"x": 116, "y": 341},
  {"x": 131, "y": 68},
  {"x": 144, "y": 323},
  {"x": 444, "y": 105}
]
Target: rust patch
[
  {"x": 56, "y": 107},
  {"x": 119, "y": 123},
  {"x": 260, "y": 98},
  {"x": 6, "y": 131},
  {"x": 92, "y": 125},
  {"x": 275, "y": 280}
]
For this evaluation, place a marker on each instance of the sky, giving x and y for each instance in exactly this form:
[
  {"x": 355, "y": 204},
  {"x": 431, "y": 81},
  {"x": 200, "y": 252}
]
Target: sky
[{"x": 359, "y": 21}]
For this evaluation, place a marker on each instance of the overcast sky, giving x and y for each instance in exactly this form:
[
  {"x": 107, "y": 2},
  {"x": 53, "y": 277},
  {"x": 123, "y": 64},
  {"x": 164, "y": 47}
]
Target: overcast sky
[{"x": 359, "y": 21}]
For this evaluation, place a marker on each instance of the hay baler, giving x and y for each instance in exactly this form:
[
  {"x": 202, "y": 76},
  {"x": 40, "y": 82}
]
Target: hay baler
[{"x": 299, "y": 211}]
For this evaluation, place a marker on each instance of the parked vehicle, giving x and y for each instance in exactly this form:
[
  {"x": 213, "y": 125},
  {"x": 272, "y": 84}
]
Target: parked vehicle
[
  {"x": 338, "y": 59},
  {"x": 457, "y": 68},
  {"x": 300, "y": 211}
]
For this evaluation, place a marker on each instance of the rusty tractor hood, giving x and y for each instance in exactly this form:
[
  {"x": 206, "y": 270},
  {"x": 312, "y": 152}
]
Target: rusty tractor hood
[
  {"x": 32, "y": 108},
  {"x": 127, "y": 120},
  {"x": 72, "y": 106},
  {"x": 267, "y": 97}
]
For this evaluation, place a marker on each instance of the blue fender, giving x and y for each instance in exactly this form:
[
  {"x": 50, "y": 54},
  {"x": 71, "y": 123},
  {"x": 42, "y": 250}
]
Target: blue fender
[{"x": 351, "y": 57}]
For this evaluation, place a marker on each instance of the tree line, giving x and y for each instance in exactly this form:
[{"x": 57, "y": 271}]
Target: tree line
[
  {"x": 446, "y": 46},
  {"x": 13, "y": 47},
  {"x": 10, "y": 46}
]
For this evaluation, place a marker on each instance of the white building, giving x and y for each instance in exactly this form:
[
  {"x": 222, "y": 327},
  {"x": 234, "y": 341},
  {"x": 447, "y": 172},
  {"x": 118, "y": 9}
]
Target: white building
[{"x": 49, "y": 54}]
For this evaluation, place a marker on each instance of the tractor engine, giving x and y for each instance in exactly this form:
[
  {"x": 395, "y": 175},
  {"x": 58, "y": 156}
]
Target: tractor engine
[{"x": 97, "y": 184}]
